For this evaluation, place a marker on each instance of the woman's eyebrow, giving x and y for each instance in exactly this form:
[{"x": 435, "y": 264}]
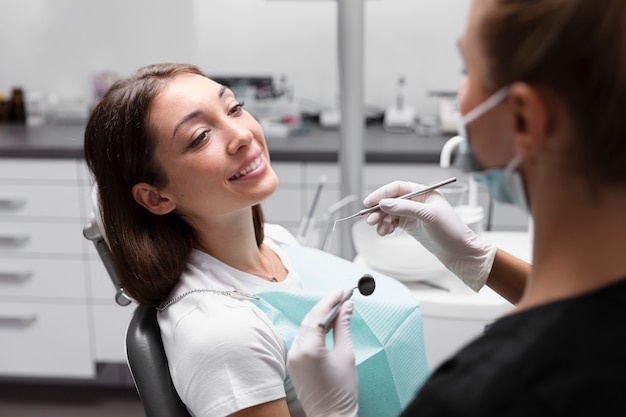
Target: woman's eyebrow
[
  {"x": 186, "y": 119},
  {"x": 225, "y": 90},
  {"x": 196, "y": 113}
]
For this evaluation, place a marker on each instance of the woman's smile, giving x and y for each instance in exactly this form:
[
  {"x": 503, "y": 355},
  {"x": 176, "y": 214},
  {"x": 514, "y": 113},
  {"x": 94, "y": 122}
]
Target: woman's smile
[{"x": 256, "y": 167}]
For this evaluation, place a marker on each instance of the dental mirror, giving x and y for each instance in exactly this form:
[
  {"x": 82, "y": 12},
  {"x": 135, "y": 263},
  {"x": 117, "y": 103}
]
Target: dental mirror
[{"x": 366, "y": 286}]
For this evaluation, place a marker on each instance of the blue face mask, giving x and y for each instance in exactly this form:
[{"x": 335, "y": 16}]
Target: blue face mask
[{"x": 504, "y": 184}]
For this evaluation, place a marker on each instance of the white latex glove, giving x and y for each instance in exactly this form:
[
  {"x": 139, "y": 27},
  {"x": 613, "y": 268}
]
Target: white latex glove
[
  {"x": 325, "y": 380},
  {"x": 433, "y": 222}
]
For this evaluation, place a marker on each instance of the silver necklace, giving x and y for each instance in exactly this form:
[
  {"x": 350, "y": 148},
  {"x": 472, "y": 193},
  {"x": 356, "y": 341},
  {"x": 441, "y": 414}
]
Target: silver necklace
[{"x": 232, "y": 293}]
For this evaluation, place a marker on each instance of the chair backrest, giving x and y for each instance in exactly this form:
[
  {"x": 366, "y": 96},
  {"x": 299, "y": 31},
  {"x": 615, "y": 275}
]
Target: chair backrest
[
  {"x": 144, "y": 348},
  {"x": 94, "y": 231},
  {"x": 149, "y": 368}
]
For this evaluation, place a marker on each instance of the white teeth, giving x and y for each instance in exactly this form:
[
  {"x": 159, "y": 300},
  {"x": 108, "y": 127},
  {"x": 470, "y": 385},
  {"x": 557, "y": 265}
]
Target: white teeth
[{"x": 247, "y": 169}]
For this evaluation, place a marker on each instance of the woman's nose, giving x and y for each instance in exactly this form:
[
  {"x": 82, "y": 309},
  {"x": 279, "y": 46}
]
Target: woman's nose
[{"x": 237, "y": 135}]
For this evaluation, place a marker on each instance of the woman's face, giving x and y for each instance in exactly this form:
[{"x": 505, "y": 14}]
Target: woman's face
[
  {"x": 212, "y": 151},
  {"x": 490, "y": 135}
]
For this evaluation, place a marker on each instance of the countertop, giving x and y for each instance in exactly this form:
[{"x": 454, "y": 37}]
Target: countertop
[{"x": 312, "y": 144}]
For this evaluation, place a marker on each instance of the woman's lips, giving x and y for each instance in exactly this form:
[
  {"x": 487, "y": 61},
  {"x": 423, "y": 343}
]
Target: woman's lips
[{"x": 251, "y": 167}]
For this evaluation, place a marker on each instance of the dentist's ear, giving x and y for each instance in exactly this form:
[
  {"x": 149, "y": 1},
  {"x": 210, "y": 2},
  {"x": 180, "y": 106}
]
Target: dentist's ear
[
  {"x": 149, "y": 197},
  {"x": 533, "y": 118}
]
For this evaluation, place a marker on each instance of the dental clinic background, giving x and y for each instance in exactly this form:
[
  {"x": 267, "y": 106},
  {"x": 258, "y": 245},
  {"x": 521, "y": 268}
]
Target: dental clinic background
[
  {"x": 57, "y": 47},
  {"x": 61, "y": 330}
]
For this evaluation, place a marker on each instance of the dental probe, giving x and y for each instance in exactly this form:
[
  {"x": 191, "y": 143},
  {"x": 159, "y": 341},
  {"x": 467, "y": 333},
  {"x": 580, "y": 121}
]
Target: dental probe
[
  {"x": 366, "y": 287},
  {"x": 405, "y": 196}
]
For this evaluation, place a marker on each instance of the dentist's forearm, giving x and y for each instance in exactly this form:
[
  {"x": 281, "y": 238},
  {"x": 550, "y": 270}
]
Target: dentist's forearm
[{"x": 508, "y": 276}]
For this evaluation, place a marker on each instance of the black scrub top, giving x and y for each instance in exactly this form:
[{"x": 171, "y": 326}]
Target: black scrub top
[{"x": 566, "y": 358}]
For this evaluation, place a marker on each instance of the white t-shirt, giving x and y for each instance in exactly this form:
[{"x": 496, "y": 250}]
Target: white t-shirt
[{"x": 224, "y": 354}]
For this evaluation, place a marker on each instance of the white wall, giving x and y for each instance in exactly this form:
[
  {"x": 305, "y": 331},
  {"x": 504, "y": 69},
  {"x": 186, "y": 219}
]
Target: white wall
[{"x": 57, "y": 46}]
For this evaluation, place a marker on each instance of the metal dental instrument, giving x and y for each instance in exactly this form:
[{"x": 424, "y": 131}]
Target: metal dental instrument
[
  {"x": 366, "y": 286},
  {"x": 405, "y": 196},
  {"x": 306, "y": 222}
]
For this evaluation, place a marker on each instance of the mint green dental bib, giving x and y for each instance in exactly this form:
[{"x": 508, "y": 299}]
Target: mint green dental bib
[{"x": 386, "y": 327}]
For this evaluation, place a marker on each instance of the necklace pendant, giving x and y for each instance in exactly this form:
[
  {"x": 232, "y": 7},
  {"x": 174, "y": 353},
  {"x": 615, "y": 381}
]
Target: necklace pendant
[{"x": 273, "y": 279}]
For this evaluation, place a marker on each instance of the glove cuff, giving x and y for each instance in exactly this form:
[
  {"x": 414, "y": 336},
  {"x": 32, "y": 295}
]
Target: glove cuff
[{"x": 476, "y": 265}]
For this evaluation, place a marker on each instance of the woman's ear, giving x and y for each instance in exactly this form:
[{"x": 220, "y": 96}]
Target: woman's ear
[
  {"x": 531, "y": 119},
  {"x": 149, "y": 197}
]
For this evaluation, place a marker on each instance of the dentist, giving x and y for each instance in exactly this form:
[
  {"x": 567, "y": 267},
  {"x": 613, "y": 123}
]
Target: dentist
[{"x": 543, "y": 104}]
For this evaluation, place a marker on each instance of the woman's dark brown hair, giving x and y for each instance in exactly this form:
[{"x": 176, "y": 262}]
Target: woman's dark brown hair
[
  {"x": 149, "y": 252},
  {"x": 576, "y": 48}
]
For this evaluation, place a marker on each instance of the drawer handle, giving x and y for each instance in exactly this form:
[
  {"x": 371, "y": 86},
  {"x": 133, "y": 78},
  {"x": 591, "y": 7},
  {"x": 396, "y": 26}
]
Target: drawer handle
[
  {"x": 13, "y": 241},
  {"x": 11, "y": 203},
  {"x": 17, "y": 321},
  {"x": 16, "y": 276}
]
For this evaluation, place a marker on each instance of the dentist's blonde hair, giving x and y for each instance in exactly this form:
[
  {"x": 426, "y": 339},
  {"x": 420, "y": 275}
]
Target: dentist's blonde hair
[{"x": 576, "y": 48}]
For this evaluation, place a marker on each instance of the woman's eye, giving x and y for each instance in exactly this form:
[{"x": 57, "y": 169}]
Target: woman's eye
[
  {"x": 199, "y": 139},
  {"x": 237, "y": 108}
]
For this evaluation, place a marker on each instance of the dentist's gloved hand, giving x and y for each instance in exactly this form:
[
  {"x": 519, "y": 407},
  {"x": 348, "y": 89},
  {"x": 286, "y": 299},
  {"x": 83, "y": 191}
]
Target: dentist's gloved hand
[
  {"x": 433, "y": 222},
  {"x": 325, "y": 380}
]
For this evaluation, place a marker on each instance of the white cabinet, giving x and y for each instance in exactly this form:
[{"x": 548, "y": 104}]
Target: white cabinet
[
  {"x": 58, "y": 317},
  {"x": 45, "y": 338},
  {"x": 44, "y": 315}
]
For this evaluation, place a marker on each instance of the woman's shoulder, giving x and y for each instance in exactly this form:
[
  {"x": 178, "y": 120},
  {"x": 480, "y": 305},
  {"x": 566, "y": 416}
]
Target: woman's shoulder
[
  {"x": 212, "y": 342},
  {"x": 204, "y": 321}
]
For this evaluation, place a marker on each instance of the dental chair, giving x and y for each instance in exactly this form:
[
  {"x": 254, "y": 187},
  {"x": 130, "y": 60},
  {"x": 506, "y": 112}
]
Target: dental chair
[
  {"x": 145, "y": 355},
  {"x": 148, "y": 366}
]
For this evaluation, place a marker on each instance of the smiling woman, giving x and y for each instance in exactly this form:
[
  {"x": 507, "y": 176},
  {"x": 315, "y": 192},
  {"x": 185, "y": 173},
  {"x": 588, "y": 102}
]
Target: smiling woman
[
  {"x": 181, "y": 170},
  {"x": 136, "y": 163}
]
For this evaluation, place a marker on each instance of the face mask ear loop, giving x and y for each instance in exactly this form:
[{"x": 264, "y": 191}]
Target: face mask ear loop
[
  {"x": 514, "y": 163},
  {"x": 486, "y": 105},
  {"x": 517, "y": 183}
]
